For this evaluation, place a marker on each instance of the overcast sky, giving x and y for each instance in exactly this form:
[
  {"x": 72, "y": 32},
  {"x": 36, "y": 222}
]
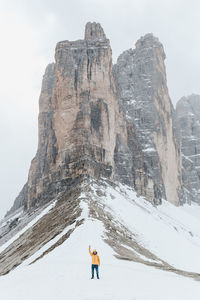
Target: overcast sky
[{"x": 29, "y": 31}]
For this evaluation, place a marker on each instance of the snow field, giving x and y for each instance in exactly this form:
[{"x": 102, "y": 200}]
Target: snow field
[{"x": 64, "y": 273}]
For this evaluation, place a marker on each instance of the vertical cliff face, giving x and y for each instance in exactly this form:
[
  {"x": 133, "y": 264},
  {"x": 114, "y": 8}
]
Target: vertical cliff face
[
  {"x": 84, "y": 104},
  {"x": 45, "y": 159},
  {"x": 142, "y": 91},
  {"x": 188, "y": 125},
  {"x": 77, "y": 119}
]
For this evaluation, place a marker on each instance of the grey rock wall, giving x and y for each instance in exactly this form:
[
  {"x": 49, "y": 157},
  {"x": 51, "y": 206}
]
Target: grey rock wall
[
  {"x": 142, "y": 91},
  {"x": 188, "y": 126}
]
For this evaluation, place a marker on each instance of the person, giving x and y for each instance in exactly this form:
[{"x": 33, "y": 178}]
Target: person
[{"x": 95, "y": 262}]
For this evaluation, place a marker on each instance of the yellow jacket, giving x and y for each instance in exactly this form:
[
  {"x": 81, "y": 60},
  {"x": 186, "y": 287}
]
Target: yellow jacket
[{"x": 95, "y": 258}]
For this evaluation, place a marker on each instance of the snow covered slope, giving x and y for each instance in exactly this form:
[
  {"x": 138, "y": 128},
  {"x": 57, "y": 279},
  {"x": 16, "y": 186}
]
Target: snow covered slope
[{"x": 146, "y": 252}]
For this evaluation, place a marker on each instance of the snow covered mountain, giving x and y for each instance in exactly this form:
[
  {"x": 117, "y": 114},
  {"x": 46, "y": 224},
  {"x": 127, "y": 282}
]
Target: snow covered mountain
[
  {"x": 147, "y": 252},
  {"x": 108, "y": 172}
]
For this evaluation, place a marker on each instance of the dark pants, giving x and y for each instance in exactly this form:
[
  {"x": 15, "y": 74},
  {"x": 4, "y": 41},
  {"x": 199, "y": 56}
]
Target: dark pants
[{"x": 96, "y": 267}]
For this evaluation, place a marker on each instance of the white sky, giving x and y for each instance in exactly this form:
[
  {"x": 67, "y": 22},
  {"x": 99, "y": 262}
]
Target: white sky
[{"x": 29, "y": 31}]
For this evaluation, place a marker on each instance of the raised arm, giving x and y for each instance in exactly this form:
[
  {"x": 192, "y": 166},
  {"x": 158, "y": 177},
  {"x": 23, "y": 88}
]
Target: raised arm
[{"x": 90, "y": 250}]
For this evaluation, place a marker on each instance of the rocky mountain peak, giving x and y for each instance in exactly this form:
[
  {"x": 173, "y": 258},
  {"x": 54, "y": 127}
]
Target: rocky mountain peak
[
  {"x": 142, "y": 91},
  {"x": 150, "y": 41},
  {"x": 94, "y": 31},
  {"x": 96, "y": 120},
  {"x": 191, "y": 102}
]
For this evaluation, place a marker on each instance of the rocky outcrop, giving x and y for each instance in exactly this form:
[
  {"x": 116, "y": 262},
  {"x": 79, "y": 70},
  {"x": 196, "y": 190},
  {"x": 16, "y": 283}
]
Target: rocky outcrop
[
  {"x": 66, "y": 213},
  {"x": 99, "y": 121},
  {"x": 188, "y": 125},
  {"x": 143, "y": 94}
]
